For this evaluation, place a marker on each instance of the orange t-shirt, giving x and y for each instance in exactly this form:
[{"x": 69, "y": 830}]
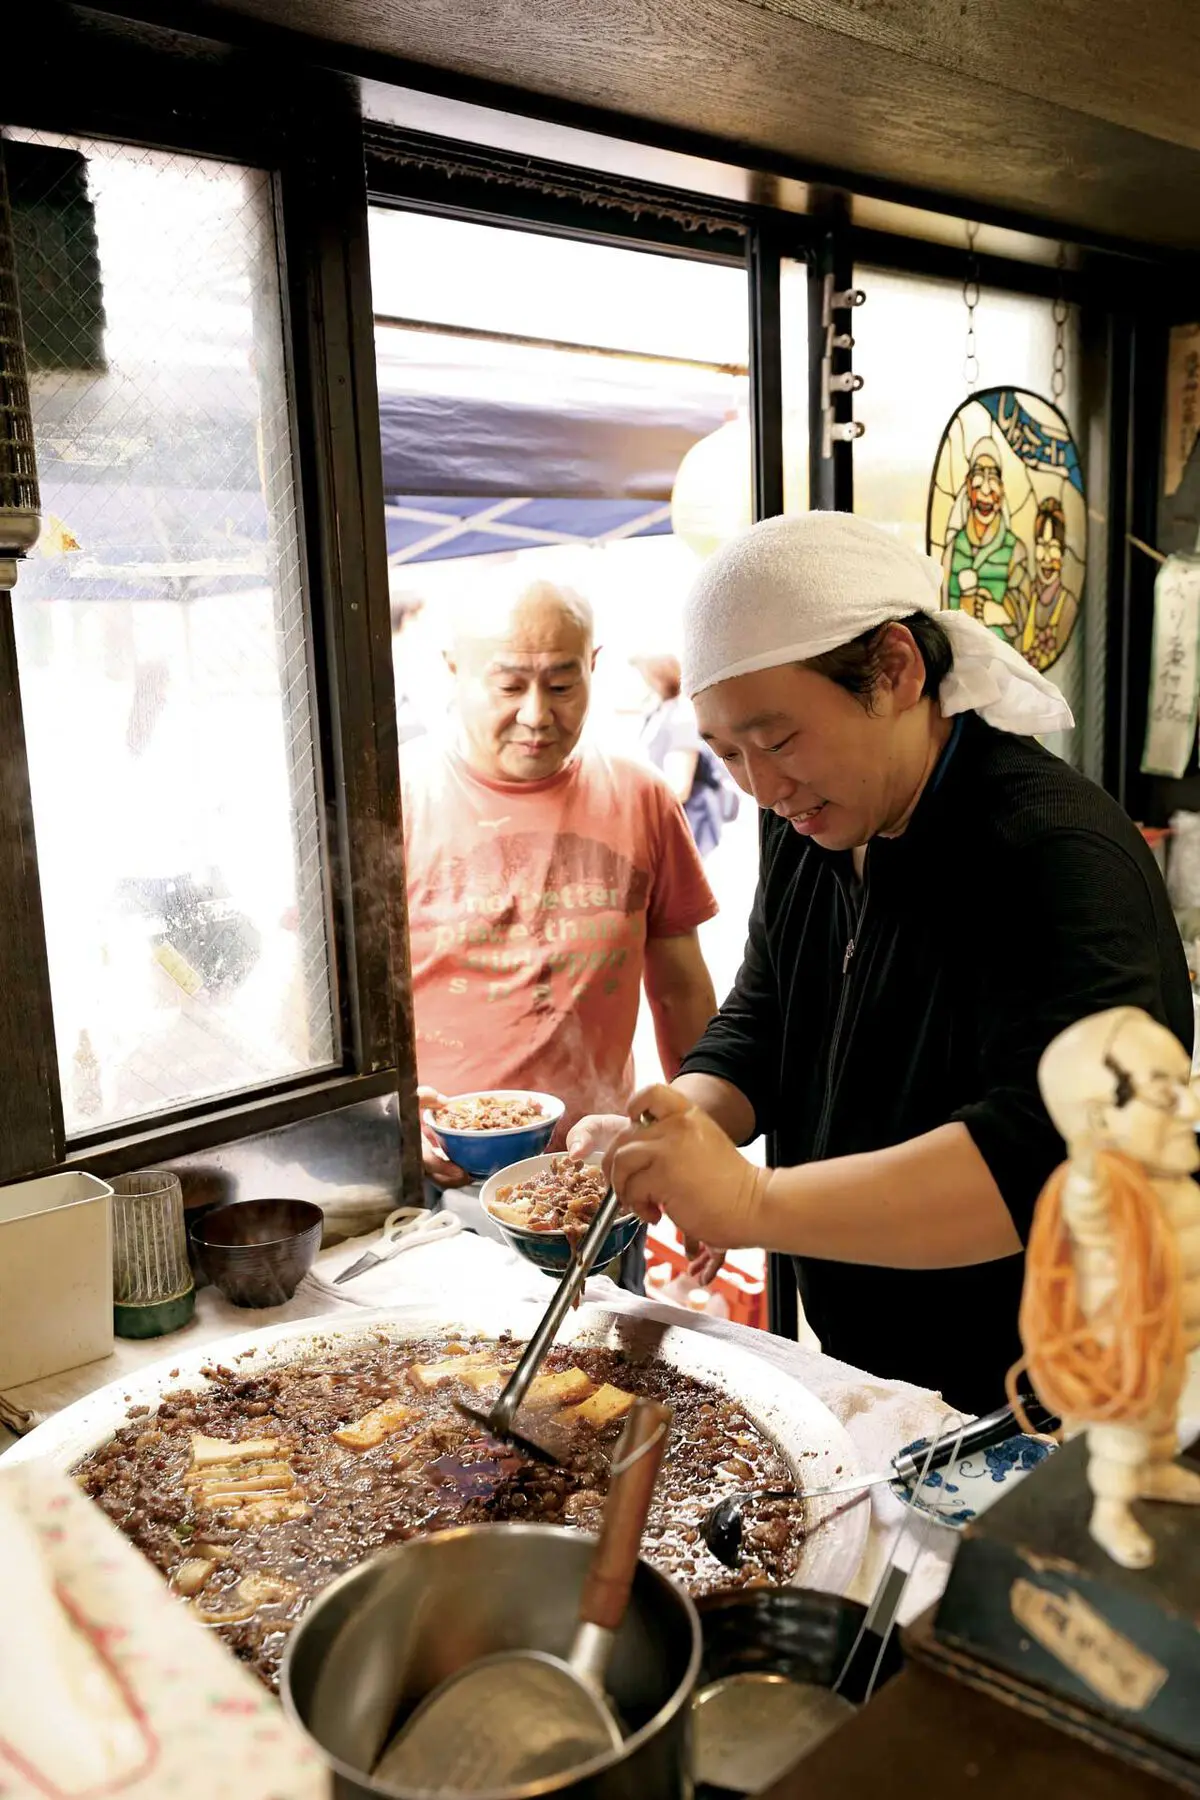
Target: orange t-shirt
[{"x": 530, "y": 904}]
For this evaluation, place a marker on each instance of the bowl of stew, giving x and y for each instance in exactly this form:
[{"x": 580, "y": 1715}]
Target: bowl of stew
[
  {"x": 494, "y": 1127},
  {"x": 545, "y": 1205}
]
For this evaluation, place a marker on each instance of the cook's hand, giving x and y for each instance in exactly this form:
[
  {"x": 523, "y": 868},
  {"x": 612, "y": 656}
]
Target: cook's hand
[
  {"x": 704, "y": 1262},
  {"x": 594, "y": 1133},
  {"x": 597, "y": 1132},
  {"x": 438, "y": 1167},
  {"x": 681, "y": 1163}
]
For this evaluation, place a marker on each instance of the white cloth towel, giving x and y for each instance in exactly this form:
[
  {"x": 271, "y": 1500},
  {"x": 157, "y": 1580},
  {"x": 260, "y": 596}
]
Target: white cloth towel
[{"x": 793, "y": 588}]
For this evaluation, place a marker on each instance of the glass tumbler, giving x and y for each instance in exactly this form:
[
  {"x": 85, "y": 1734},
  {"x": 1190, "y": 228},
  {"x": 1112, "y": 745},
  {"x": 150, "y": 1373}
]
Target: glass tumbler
[{"x": 153, "y": 1291}]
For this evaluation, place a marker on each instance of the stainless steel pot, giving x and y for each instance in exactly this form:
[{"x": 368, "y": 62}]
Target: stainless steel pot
[{"x": 377, "y": 1641}]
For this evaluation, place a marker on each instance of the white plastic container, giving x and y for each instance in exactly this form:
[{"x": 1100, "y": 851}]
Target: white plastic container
[
  {"x": 707, "y": 1301},
  {"x": 56, "y": 1282}
]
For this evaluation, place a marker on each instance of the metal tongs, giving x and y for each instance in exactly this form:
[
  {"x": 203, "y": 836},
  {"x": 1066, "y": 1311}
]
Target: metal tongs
[
  {"x": 721, "y": 1527},
  {"x": 498, "y": 1420}
]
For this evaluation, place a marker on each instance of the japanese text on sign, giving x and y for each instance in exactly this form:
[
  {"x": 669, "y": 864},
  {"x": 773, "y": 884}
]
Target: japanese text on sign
[
  {"x": 1085, "y": 1643},
  {"x": 1174, "y": 668}
]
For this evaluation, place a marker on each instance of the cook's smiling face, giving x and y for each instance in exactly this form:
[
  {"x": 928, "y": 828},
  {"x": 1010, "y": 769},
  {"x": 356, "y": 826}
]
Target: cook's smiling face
[
  {"x": 524, "y": 681},
  {"x": 807, "y": 750}
]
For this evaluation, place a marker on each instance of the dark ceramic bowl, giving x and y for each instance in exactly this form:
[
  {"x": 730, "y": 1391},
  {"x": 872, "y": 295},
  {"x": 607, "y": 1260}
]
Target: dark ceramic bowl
[{"x": 258, "y": 1251}]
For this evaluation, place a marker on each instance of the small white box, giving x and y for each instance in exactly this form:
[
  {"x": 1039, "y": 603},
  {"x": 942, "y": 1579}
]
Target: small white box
[{"x": 56, "y": 1284}]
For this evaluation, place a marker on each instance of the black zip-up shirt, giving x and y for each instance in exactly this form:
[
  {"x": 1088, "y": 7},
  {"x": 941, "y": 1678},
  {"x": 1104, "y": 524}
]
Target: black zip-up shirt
[{"x": 1019, "y": 899}]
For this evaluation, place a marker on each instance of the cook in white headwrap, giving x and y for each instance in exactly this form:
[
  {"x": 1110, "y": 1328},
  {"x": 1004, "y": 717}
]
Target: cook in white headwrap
[
  {"x": 794, "y": 588},
  {"x": 937, "y": 900}
]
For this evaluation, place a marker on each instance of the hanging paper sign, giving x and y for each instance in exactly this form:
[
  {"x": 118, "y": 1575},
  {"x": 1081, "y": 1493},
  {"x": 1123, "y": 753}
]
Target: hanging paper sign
[
  {"x": 1007, "y": 520},
  {"x": 1174, "y": 668},
  {"x": 1183, "y": 403}
]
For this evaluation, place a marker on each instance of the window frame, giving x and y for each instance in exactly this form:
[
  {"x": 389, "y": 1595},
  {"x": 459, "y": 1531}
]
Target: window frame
[
  {"x": 416, "y": 176},
  {"x": 184, "y": 104},
  {"x": 269, "y": 106}
]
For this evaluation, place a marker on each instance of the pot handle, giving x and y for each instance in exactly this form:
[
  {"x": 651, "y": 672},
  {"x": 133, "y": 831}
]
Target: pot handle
[{"x": 631, "y": 1489}]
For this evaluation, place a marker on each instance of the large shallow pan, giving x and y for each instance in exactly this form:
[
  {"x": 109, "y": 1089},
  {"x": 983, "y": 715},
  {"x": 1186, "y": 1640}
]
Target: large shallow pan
[{"x": 807, "y": 1433}]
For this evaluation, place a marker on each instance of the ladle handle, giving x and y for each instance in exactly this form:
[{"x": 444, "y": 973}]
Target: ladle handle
[{"x": 635, "y": 1474}]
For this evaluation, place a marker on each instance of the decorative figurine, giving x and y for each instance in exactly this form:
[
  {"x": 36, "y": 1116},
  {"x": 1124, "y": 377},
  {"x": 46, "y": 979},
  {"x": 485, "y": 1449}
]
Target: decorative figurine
[{"x": 1112, "y": 1287}]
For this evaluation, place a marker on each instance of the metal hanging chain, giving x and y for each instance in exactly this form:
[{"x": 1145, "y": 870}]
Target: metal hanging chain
[
  {"x": 970, "y": 294},
  {"x": 1058, "y": 377}
]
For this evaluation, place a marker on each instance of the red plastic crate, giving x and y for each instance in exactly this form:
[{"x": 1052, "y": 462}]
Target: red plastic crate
[{"x": 743, "y": 1291}]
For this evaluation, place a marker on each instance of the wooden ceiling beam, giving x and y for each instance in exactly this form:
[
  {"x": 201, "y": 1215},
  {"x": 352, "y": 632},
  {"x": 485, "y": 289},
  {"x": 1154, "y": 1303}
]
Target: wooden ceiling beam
[
  {"x": 832, "y": 88},
  {"x": 1134, "y": 63}
]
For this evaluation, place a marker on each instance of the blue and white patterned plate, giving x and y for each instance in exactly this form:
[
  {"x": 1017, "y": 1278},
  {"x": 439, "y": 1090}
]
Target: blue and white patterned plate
[{"x": 962, "y": 1490}]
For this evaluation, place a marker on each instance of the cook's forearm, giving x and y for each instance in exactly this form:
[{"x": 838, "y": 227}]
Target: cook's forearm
[
  {"x": 930, "y": 1203},
  {"x": 723, "y": 1102}
]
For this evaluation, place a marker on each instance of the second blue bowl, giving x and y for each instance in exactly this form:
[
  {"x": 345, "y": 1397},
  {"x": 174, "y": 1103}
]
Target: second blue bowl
[
  {"x": 481, "y": 1153},
  {"x": 551, "y": 1251}
]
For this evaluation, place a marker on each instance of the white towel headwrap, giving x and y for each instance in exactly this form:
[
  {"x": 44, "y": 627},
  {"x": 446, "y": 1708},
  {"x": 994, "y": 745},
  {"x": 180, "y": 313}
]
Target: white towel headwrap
[{"x": 793, "y": 588}]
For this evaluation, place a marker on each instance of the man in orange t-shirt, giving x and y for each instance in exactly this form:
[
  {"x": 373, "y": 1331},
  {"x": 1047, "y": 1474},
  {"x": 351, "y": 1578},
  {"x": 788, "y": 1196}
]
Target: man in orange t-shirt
[{"x": 546, "y": 880}]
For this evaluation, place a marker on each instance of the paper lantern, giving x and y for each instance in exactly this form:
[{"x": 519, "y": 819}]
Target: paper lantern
[{"x": 713, "y": 496}]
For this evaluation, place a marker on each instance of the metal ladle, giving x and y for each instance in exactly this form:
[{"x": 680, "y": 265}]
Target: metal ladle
[
  {"x": 524, "y": 1715},
  {"x": 722, "y": 1525},
  {"x": 498, "y": 1420}
]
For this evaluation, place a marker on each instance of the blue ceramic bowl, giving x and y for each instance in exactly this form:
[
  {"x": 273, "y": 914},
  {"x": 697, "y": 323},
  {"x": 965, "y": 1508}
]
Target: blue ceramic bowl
[
  {"x": 550, "y": 1251},
  {"x": 482, "y": 1153}
]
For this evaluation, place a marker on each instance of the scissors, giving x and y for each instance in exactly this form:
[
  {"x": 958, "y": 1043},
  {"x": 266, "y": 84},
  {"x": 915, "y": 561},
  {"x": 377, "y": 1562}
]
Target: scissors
[{"x": 403, "y": 1230}]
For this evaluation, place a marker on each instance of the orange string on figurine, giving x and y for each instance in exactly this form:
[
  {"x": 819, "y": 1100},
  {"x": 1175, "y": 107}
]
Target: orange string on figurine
[{"x": 1127, "y": 1362}]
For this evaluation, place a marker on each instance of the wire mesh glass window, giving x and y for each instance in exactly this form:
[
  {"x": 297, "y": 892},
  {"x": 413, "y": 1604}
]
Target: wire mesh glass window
[{"x": 162, "y": 638}]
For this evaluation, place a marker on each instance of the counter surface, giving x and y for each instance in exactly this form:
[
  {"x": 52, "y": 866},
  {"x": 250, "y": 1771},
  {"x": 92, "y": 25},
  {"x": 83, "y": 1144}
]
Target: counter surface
[{"x": 880, "y": 1416}]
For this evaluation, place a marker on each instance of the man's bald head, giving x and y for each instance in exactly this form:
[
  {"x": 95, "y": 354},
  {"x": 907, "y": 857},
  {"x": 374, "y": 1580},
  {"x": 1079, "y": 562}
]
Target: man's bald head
[
  {"x": 519, "y": 618},
  {"x": 522, "y": 661}
]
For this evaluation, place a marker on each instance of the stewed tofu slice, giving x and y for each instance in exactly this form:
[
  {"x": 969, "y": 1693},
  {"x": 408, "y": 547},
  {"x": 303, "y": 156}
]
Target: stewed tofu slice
[
  {"x": 477, "y": 1369},
  {"x": 232, "y": 1490},
  {"x": 375, "y": 1427},
  {"x": 264, "y": 1589},
  {"x": 209, "y": 1452},
  {"x": 565, "y": 1389},
  {"x": 234, "y": 1605},
  {"x": 191, "y": 1575},
  {"x": 257, "y": 1509},
  {"x": 272, "y": 1510},
  {"x": 276, "y": 1471},
  {"x": 229, "y": 1475},
  {"x": 601, "y": 1408}
]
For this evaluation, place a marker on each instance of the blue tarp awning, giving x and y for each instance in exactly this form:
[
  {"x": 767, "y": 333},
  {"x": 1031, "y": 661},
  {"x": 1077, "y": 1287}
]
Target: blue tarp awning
[
  {"x": 487, "y": 446},
  {"x": 497, "y": 446},
  {"x": 421, "y": 528}
]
